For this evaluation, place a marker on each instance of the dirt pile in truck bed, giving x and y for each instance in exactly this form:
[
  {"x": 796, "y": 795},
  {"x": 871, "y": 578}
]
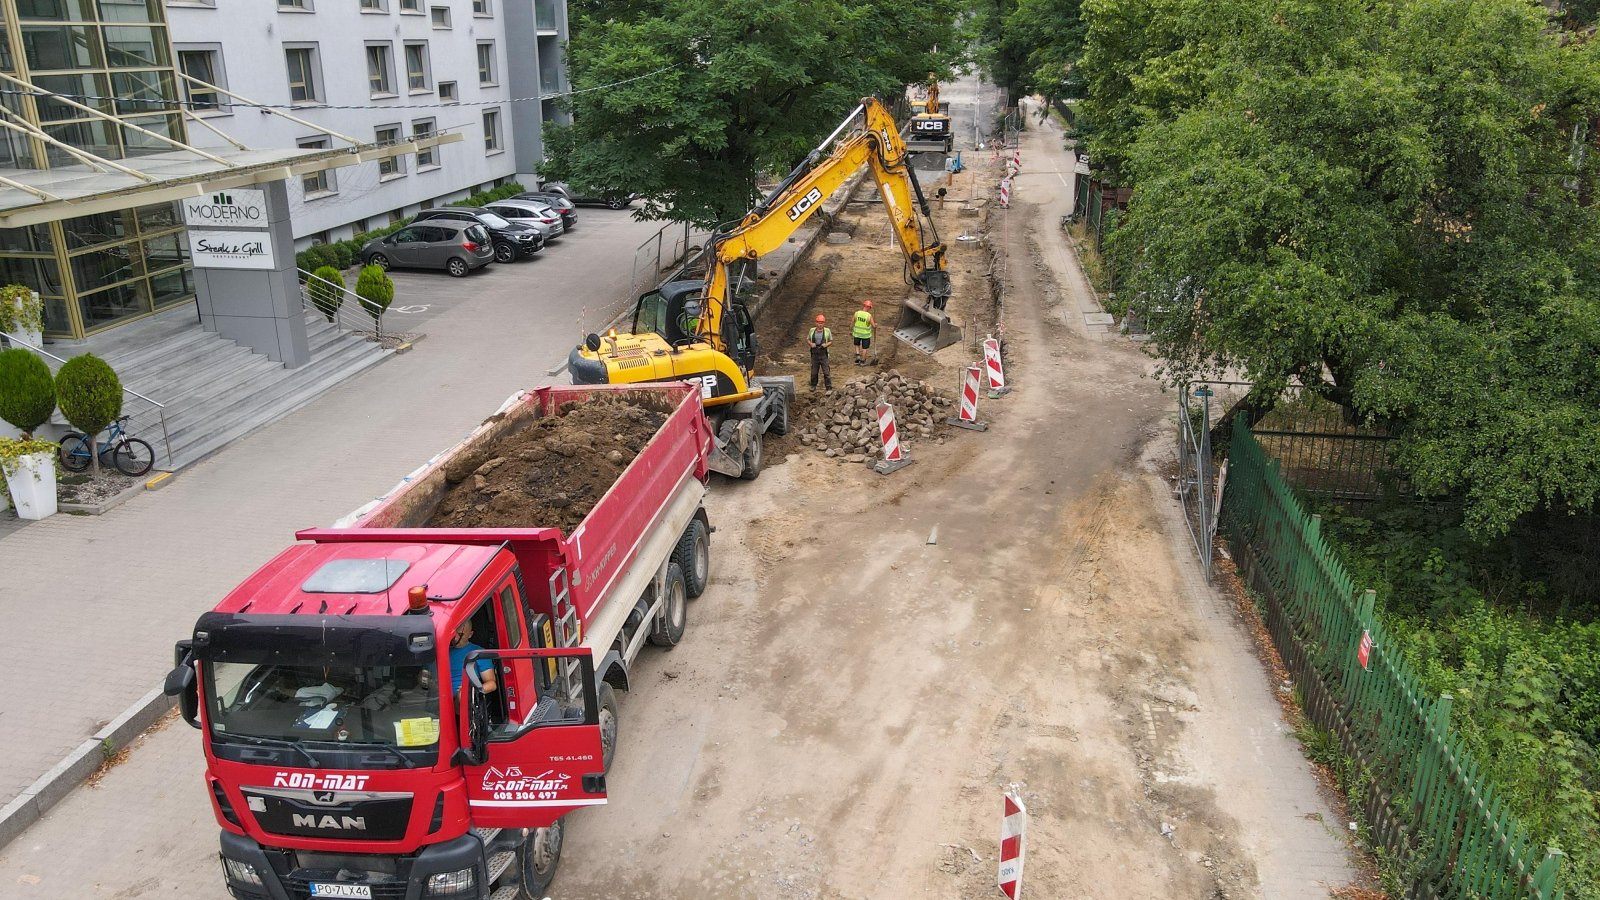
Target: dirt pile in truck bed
[
  {"x": 844, "y": 424},
  {"x": 550, "y": 473}
]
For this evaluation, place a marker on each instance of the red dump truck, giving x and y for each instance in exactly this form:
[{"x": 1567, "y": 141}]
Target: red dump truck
[{"x": 342, "y": 761}]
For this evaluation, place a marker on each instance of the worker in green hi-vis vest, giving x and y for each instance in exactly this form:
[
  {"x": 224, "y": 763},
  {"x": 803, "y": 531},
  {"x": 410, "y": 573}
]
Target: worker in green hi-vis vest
[{"x": 861, "y": 331}]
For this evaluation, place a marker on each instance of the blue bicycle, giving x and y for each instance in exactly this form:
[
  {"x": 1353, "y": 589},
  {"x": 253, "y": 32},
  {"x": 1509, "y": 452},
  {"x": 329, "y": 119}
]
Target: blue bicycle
[{"x": 130, "y": 455}]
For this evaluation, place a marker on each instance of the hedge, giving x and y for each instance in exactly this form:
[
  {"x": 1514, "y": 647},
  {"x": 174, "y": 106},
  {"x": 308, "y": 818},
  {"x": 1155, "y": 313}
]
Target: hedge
[{"x": 344, "y": 254}]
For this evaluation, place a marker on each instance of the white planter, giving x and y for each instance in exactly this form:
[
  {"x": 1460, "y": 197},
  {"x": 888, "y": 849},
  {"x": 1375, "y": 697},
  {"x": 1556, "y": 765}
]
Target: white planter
[{"x": 33, "y": 485}]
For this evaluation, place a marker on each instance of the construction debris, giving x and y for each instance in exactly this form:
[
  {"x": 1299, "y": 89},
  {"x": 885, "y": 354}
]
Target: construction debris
[{"x": 844, "y": 424}]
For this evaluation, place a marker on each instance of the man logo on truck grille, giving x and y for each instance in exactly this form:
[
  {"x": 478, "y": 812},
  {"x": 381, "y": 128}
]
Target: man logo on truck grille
[
  {"x": 333, "y": 823},
  {"x": 804, "y": 203}
]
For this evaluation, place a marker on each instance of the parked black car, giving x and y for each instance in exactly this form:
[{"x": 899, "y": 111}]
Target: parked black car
[
  {"x": 556, "y": 201},
  {"x": 511, "y": 240},
  {"x": 610, "y": 199}
]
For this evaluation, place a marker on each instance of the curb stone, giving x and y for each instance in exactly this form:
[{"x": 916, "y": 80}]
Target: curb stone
[{"x": 53, "y": 786}]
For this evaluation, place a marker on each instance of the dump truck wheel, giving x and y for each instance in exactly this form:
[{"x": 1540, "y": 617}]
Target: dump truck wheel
[
  {"x": 667, "y": 631},
  {"x": 541, "y": 854},
  {"x": 752, "y": 457},
  {"x": 693, "y": 556},
  {"x": 608, "y": 725}
]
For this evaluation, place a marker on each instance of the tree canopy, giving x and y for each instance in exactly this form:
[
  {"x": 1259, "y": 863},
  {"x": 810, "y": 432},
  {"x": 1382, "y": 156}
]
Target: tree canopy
[
  {"x": 737, "y": 88},
  {"x": 1389, "y": 201}
]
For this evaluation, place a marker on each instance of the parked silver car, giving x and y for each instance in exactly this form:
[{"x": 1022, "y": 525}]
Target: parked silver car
[
  {"x": 456, "y": 247},
  {"x": 532, "y": 213}
]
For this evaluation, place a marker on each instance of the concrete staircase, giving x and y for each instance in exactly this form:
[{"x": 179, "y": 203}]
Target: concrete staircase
[{"x": 216, "y": 391}]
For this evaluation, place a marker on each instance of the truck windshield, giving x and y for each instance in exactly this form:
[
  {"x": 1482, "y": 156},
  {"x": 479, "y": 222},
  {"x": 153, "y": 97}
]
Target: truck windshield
[{"x": 393, "y": 706}]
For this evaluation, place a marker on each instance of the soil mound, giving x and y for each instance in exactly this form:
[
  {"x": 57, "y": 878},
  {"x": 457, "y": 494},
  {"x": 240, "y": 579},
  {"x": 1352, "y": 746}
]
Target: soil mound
[{"x": 550, "y": 473}]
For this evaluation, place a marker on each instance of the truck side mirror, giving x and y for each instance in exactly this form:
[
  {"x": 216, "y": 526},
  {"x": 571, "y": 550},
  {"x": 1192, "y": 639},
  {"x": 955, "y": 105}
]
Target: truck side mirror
[
  {"x": 473, "y": 749},
  {"x": 182, "y": 683}
]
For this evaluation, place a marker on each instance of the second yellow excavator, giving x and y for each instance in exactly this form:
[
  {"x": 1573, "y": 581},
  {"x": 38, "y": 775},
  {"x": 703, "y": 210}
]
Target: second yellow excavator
[
  {"x": 931, "y": 129},
  {"x": 698, "y": 329}
]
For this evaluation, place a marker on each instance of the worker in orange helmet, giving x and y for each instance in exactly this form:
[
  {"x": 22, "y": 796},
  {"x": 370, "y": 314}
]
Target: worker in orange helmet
[
  {"x": 862, "y": 330},
  {"x": 820, "y": 339}
]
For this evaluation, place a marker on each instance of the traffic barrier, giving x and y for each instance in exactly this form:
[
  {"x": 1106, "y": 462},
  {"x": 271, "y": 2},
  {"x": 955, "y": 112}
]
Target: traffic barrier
[
  {"x": 893, "y": 457},
  {"x": 995, "y": 367},
  {"x": 1016, "y": 159},
  {"x": 1013, "y": 826},
  {"x": 1005, "y": 193},
  {"x": 969, "y": 402}
]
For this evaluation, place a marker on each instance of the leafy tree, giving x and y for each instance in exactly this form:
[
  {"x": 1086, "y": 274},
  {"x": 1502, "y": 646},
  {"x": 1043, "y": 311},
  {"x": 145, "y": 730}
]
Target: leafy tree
[
  {"x": 686, "y": 101},
  {"x": 326, "y": 289},
  {"x": 376, "y": 290},
  {"x": 91, "y": 398},
  {"x": 1381, "y": 200},
  {"x": 27, "y": 390}
]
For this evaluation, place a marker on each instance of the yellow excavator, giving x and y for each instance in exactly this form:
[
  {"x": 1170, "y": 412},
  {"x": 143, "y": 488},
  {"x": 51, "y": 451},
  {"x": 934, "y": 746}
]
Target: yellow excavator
[
  {"x": 931, "y": 130},
  {"x": 698, "y": 329}
]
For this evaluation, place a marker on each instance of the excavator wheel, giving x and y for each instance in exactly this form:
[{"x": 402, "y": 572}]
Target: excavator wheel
[
  {"x": 780, "y": 414},
  {"x": 753, "y": 457}
]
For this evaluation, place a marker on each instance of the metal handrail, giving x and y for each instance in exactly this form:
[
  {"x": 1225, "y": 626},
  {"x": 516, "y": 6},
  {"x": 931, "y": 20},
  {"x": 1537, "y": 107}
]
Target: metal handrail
[
  {"x": 166, "y": 440},
  {"x": 363, "y": 317}
]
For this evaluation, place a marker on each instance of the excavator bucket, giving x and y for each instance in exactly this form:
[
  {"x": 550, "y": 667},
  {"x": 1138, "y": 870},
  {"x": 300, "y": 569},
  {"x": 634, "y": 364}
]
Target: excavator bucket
[{"x": 926, "y": 326}]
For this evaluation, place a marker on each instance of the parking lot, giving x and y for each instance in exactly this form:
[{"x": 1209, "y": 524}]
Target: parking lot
[{"x": 577, "y": 283}]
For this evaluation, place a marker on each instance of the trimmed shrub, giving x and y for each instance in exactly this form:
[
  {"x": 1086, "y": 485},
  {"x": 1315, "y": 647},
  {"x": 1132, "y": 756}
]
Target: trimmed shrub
[
  {"x": 27, "y": 390},
  {"x": 90, "y": 396},
  {"x": 326, "y": 290},
  {"x": 376, "y": 290}
]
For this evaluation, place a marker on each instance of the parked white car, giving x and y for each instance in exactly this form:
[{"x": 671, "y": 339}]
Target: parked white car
[{"x": 532, "y": 213}]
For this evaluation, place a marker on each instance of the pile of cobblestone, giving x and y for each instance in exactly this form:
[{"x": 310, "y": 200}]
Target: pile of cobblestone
[{"x": 843, "y": 424}]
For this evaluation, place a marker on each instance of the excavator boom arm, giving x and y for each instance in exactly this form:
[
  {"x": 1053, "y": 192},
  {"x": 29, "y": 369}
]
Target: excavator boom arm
[{"x": 877, "y": 143}]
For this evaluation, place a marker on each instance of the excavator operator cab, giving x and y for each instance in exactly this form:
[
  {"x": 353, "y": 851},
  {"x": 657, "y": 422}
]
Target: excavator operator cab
[{"x": 673, "y": 312}]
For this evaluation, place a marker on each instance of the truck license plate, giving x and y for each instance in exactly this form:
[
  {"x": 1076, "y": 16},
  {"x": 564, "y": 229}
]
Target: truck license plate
[{"x": 361, "y": 891}]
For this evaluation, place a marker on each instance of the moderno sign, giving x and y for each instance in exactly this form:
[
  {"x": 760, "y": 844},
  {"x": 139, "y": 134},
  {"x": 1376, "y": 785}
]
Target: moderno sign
[
  {"x": 243, "y": 208},
  {"x": 230, "y": 250}
]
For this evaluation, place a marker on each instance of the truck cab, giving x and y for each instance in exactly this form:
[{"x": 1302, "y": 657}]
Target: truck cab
[{"x": 377, "y": 715}]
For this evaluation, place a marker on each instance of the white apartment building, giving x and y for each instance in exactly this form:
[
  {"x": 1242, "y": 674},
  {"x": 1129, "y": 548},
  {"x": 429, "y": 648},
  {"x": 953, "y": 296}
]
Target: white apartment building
[{"x": 380, "y": 71}]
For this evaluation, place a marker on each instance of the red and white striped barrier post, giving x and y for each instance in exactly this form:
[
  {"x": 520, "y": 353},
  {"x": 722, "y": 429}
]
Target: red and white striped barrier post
[
  {"x": 1013, "y": 825},
  {"x": 1005, "y": 193},
  {"x": 996, "y": 369},
  {"x": 1016, "y": 159},
  {"x": 969, "y": 402},
  {"x": 893, "y": 457}
]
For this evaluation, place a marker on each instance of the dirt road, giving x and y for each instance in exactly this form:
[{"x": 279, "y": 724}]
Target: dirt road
[{"x": 851, "y": 700}]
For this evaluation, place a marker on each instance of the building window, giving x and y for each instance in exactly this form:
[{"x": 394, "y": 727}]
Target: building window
[
  {"x": 302, "y": 63},
  {"x": 374, "y": 5},
  {"x": 295, "y": 4},
  {"x": 481, "y": 8},
  {"x": 396, "y": 216},
  {"x": 491, "y": 131},
  {"x": 486, "y": 62},
  {"x": 317, "y": 184},
  {"x": 389, "y": 135},
  {"x": 447, "y": 92},
  {"x": 206, "y": 65},
  {"x": 380, "y": 70},
  {"x": 441, "y": 16},
  {"x": 411, "y": 6},
  {"x": 426, "y": 156},
  {"x": 417, "y": 67}
]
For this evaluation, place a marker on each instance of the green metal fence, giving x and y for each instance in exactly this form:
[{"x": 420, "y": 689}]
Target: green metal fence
[{"x": 1425, "y": 800}]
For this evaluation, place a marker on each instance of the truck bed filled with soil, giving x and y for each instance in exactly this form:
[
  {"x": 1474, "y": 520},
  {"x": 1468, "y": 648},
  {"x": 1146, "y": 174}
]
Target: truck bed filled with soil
[{"x": 552, "y": 471}]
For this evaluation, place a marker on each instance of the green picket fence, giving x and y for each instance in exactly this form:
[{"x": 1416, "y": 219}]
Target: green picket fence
[{"x": 1426, "y": 801}]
